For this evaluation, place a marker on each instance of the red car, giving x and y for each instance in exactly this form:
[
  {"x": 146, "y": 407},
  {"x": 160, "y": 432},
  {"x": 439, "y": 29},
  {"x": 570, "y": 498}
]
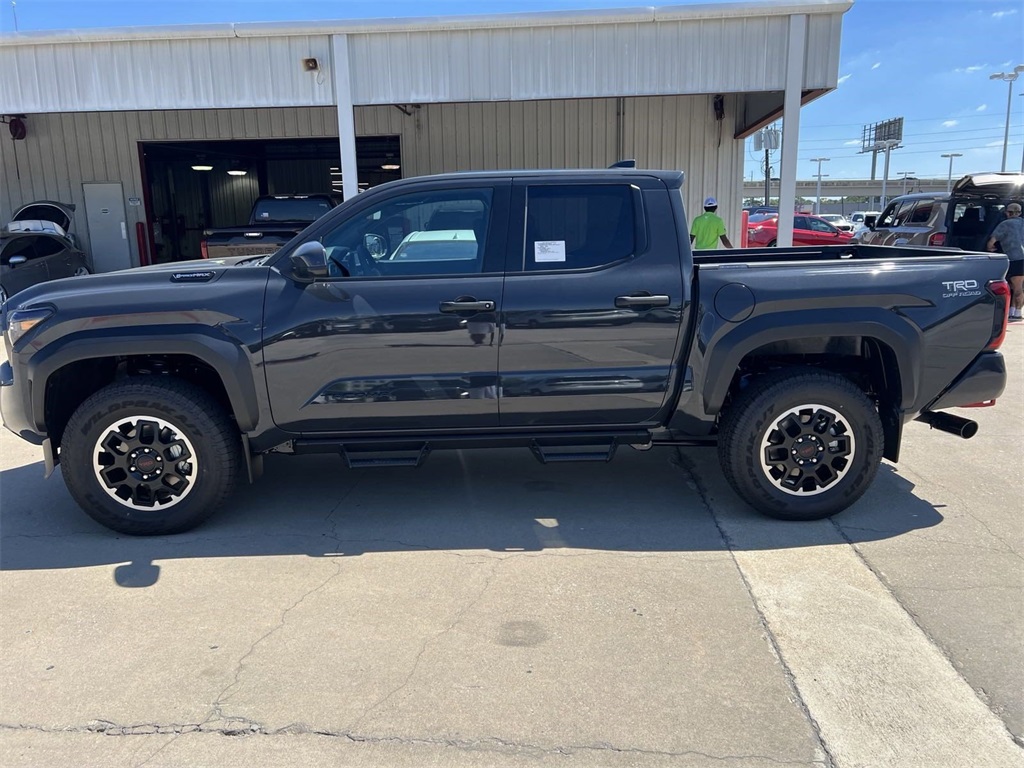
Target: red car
[{"x": 807, "y": 230}]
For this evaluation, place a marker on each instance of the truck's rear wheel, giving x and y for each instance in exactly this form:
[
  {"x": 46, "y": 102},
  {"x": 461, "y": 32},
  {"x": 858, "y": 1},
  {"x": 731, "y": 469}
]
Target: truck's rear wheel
[
  {"x": 150, "y": 456},
  {"x": 801, "y": 445}
]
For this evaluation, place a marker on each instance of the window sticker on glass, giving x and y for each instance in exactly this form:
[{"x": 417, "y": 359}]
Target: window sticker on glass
[{"x": 549, "y": 250}]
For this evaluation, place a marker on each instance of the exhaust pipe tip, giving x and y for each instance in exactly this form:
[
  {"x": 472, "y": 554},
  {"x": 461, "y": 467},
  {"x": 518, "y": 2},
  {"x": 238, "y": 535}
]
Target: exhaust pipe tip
[
  {"x": 969, "y": 429},
  {"x": 947, "y": 422}
]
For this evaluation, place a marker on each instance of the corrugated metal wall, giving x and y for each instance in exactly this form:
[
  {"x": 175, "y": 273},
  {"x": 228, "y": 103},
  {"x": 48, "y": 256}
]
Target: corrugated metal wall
[
  {"x": 63, "y": 151},
  {"x": 702, "y": 52},
  {"x": 724, "y": 55}
]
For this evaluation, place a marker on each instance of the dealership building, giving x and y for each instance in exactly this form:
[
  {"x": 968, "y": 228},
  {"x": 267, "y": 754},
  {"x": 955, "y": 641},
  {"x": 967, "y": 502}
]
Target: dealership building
[{"x": 155, "y": 134}]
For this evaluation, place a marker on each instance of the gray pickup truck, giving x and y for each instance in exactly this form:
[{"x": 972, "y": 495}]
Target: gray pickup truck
[
  {"x": 560, "y": 311},
  {"x": 273, "y": 221}
]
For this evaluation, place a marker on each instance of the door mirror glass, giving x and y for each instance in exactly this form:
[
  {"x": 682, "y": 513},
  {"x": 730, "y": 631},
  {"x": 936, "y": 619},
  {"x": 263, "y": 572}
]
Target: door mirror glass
[
  {"x": 375, "y": 245},
  {"x": 309, "y": 261},
  {"x": 17, "y": 261}
]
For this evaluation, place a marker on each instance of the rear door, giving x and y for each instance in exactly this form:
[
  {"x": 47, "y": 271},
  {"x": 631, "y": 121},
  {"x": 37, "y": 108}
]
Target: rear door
[
  {"x": 822, "y": 232},
  {"x": 593, "y": 302},
  {"x": 802, "y": 233},
  {"x": 388, "y": 345}
]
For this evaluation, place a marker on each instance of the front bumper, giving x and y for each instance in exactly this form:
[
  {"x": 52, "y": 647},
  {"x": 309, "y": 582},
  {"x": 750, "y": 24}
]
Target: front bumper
[
  {"x": 983, "y": 380},
  {"x": 16, "y": 405}
]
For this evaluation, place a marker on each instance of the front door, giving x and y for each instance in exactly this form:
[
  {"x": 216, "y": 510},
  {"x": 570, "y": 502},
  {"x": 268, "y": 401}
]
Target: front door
[
  {"x": 108, "y": 228},
  {"x": 22, "y": 274},
  {"x": 593, "y": 303},
  {"x": 402, "y": 336}
]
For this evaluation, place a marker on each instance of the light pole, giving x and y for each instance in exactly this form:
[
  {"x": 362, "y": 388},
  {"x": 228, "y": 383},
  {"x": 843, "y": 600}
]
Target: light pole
[
  {"x": 949, "y": 179},
  {"x": 905, "y": 175},
  {"x": 817, "y": 196},
  {"x": 1008, "y": 78}
]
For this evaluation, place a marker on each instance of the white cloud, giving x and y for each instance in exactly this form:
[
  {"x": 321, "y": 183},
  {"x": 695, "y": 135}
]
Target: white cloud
[
  {"x": 981, "y": 108},
  {"x": 1000, "y": 14},
  {"x": 843, "y": 79},
  {"x": 852, "y": 143},
  {"x": 995, "y": 143},
  {"x": 970, "y": 69},
  {"x": 950, "y": 123},
  {"x": 876, "y": 65}
]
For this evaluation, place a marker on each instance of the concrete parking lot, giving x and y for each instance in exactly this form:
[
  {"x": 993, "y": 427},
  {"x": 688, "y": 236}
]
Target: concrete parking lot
[{"x": 486, "y": 610}]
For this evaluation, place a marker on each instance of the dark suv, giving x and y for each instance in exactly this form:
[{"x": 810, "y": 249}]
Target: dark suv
[{"x": 963, "y": 219}]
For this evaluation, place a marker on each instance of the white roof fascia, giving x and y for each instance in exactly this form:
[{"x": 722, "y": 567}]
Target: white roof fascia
[{"x": 647, "y": 14}]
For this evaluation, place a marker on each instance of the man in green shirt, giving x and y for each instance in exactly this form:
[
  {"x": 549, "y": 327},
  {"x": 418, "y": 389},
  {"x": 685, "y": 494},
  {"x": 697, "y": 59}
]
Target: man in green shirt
[{"x": 707, "y": 228}]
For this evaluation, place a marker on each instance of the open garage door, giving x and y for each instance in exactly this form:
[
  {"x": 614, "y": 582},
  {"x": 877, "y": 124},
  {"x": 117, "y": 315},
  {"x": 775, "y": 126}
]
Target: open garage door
[{"x": 196, "y": 185}]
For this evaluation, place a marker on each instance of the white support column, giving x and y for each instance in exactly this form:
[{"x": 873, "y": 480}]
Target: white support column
[
  {"x": 791, "y": 127},
  {"x": 346, "y": 118}
]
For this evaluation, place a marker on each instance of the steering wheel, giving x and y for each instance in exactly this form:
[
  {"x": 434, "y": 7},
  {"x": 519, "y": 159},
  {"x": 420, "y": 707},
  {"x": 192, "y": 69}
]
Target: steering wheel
[{"x": 346, "y": 262}]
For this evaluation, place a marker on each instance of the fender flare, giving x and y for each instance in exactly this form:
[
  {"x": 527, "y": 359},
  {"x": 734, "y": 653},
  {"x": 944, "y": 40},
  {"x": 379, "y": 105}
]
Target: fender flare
[
  {"x": 223, "y": 355},
  {"x": 736, "y": 341}
]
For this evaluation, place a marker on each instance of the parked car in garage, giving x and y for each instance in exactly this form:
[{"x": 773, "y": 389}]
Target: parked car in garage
[
  {"x": 35, "y": 247},
  {"x": 807, "y": 230},
  {"x": 273, "y": 221}
]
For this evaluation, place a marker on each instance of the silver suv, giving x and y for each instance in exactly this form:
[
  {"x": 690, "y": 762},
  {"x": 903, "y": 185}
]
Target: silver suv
[{"x": 963, "y": 219}]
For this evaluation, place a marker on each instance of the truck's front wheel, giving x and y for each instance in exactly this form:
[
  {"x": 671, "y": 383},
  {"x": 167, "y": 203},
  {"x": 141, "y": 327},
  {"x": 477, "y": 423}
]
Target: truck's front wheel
[
  {"x": 801, "y": 445},
  {"x": 150, "y": 456}
]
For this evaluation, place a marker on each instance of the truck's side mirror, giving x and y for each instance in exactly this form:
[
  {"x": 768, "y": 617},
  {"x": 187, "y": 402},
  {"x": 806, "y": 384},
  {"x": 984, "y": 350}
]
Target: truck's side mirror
[
  {"x": 17, "y": 261},
  {"x": 309, "y": 262},
  {"x": 375, "y": 246}
]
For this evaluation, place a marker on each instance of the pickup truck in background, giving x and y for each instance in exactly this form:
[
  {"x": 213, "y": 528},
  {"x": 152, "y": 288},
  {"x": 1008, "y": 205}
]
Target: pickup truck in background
[
  {"x": 375, "y": 336},
  {"x": 273, "y": 221}
]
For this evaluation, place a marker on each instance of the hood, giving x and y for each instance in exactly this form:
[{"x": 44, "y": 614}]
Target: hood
[
  {"x": 995, "y": 185},
  {"x": 61, "y": 214},
  {"x": 199, "y": 271},
  {"x": 185, "y": 266}
]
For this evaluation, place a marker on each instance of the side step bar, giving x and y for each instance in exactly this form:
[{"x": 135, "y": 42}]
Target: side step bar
[
  {"x": 412, "y": 451},
  {"x": 550, "y": 454},
  {"x": 365, "y": 459}
]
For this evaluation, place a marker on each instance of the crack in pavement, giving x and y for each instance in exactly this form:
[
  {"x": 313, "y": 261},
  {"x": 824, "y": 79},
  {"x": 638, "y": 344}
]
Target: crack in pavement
[
  {"x": 426, "y": 643},
  {"x": 919, "y": 623},
  {"x": 217, "y": 708},
  {"x": 1007, "y": 547},
  {"x": 489, "y": 743},
  {"x": 684, "y": 463}
]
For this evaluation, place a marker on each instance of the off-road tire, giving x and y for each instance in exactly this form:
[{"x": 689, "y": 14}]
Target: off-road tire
[
  {"x": 760, "y": 459},
  {"x": 186, "y": 420}
]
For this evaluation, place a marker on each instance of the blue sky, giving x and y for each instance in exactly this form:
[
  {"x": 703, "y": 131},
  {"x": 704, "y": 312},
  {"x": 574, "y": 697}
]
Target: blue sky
[{"x": 926, "y": 61}]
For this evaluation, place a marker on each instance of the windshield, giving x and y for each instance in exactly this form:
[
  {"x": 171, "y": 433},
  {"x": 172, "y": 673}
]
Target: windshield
[{"x": 306, "y": 209}]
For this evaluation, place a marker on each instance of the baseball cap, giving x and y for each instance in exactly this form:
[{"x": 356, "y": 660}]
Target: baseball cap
[{"x": 710, "y": 202}]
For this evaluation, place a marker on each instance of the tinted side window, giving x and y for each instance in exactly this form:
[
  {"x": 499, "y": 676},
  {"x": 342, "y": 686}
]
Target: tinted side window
[
  {"x": 578, "y": 226},
  {"x": 19, "y": 246},
  {"x": 922, "y": 212},
  {"x": 888, "y": 218},
  {"x": 48, "y": 246},
  {"x": 903, "y": 214},
  {"x": 800, "y": 222},
  {"x": 821, "y": 226}
]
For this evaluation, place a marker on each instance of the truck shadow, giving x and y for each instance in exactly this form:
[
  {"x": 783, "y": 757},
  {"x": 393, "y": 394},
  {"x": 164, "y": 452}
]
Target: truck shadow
[{"x": 494, "y": 500}]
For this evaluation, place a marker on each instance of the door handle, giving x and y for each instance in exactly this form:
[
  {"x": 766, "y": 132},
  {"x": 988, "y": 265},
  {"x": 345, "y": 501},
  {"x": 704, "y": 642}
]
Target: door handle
[
  {"x": 467, "y": 305},
  {"x": 642, "y": 300}
]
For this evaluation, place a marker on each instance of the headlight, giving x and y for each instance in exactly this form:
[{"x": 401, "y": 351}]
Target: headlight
[{"x": 21, "y": 321}]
